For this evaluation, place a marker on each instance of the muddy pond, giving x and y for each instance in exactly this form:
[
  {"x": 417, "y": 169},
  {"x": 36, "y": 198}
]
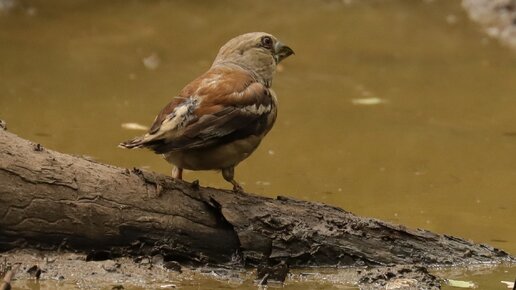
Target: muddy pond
[{"x": 400, "y": 110}]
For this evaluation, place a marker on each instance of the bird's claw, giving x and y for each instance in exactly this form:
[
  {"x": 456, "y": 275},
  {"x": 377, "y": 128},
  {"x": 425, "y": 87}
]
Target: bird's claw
[{"x": 238, "y": 188}]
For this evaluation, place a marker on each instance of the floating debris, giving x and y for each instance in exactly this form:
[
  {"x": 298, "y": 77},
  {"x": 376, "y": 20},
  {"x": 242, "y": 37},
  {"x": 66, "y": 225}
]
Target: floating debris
[
  {"x": 460, "y": 284},
  {"x": 134, "y": 126},
  {"x": 152, "y": 61},
  {"x": 510, "y": 285},
  {"x": 368, "y": 101},
  {"x": 401, "y": 283},
  {"x": 264, "y": 183},
  {"x": 451, "y": 19}
]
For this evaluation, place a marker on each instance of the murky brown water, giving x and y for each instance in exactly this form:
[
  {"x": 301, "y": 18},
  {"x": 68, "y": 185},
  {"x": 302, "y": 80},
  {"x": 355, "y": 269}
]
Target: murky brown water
[{"x": 438, "y": 153}]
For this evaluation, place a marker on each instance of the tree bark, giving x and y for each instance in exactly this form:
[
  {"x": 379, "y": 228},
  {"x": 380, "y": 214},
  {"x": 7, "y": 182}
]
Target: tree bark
[{"x": 52, "y": 200}]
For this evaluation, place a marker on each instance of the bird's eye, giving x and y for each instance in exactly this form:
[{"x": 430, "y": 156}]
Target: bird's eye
[{"x": 267, "y": 42}]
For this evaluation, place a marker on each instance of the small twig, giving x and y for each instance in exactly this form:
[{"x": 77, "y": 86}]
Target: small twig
[
  {"x": 6, "y": 284},
  {"x": 263, "y": 282}
]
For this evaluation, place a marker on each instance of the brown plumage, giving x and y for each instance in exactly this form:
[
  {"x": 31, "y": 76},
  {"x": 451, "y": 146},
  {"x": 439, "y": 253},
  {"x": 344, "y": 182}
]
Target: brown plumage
[{"x": 220, "y": 118}]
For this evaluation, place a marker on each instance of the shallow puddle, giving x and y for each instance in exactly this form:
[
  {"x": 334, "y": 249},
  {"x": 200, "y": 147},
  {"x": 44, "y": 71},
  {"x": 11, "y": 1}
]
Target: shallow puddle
[{"x": 401, "y": 110}]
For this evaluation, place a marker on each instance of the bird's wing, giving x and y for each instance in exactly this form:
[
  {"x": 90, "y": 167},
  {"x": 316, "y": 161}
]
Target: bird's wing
[{"x": 220, "y": 106}]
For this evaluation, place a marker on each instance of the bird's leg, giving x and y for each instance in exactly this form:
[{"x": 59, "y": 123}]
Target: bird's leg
[
  {"x": 229, "y": 174},
  {"x": 177, "y": 173}
]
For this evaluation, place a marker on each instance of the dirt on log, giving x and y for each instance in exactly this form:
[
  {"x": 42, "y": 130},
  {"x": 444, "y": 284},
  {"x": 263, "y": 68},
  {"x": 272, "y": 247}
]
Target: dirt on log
[{"x": 50, "y": 200}]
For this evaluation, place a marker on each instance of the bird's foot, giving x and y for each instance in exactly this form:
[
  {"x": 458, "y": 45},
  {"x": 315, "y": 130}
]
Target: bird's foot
[
  {"x": 229, "y": 175},
  {"x": 237, "y": 187}
]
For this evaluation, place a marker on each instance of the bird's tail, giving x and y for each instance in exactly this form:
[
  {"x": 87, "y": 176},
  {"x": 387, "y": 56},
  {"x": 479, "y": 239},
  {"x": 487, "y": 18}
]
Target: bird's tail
[
  {"x": 149, "y": 141},
  {"x": 137, "y": 142}
]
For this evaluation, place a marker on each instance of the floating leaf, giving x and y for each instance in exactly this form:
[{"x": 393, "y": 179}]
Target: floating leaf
[
  {"x": 460, "y": 284},
  {"x": 152, "y": 61},
  {"x": 510, "y": 285},
  {"x": 368, "y": 101},
  {"x": 134, "y": 126}
]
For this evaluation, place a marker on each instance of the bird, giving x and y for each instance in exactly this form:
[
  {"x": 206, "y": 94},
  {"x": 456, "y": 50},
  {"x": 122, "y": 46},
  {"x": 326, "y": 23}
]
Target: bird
[{"x": 218, "y": 119}]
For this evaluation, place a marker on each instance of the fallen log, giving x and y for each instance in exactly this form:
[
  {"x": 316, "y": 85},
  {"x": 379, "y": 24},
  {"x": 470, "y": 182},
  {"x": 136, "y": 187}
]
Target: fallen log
[{"x": 50, "y": 200}]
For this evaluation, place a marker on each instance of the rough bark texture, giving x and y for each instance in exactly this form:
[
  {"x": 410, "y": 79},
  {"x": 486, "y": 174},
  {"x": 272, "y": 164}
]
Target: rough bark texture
[{"x": 53, "y": 200}]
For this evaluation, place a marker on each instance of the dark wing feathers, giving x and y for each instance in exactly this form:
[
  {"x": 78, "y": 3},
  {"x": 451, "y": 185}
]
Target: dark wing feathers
[
  {"x": 220, "y": 106},
  {"x": 208, "y": 131}
]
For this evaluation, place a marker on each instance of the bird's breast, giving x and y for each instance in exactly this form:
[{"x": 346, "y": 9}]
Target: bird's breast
[{"x": 217, "y": 157}]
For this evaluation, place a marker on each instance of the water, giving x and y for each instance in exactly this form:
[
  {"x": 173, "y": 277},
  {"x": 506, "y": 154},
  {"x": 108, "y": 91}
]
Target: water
[{"x": 437, "y": 152}]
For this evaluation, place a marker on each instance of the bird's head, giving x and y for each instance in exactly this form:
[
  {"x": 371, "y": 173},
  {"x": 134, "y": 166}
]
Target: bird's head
[{"x": 258, "y": 52}]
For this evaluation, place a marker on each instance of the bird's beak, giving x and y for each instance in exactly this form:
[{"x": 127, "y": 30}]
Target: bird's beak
[{"x": 281, "y": 52}]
